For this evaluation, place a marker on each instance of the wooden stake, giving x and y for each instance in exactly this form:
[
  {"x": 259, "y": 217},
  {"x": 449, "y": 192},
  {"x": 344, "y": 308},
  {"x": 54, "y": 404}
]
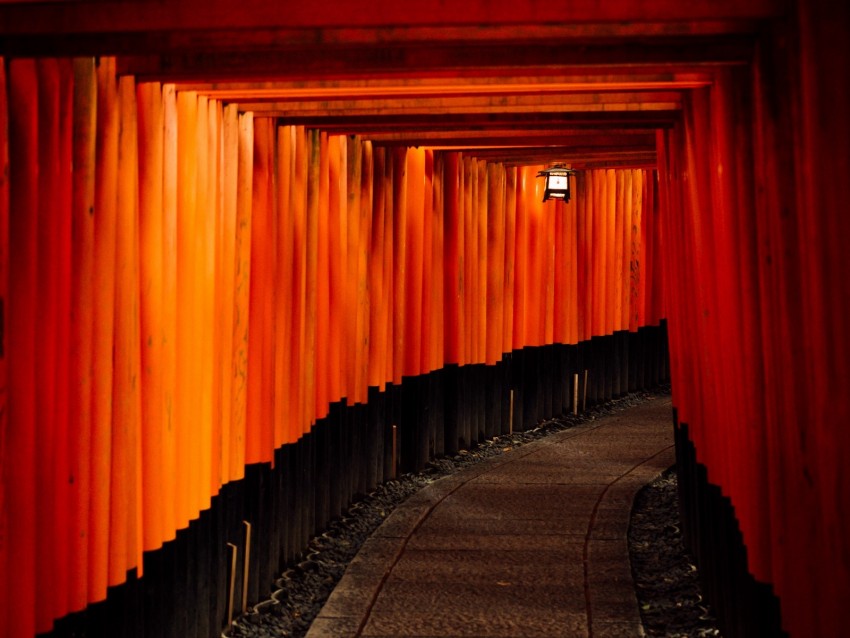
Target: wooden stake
[
  {"x": 575, "y": 393},
  {"x": 246, "y": 566},
  {"x": 232, "y": 588}
]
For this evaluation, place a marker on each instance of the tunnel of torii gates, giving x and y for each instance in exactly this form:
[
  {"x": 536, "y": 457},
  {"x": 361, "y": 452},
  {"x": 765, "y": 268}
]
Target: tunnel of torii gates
[{"x": 241, "y": 241}]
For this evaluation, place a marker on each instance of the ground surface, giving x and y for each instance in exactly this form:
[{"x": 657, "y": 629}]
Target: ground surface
[{"x": 303, "y": 589}]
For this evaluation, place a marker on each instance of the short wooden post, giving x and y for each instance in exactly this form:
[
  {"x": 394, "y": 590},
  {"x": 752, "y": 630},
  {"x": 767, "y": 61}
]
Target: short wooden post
[
  {"x": 575, "y": 393},
  {"x": 232, "y": 587},
  {"x": 246, "y": 568}
]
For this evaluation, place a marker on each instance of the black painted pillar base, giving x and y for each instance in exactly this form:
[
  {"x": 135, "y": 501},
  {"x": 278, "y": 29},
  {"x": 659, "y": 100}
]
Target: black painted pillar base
[{"x": 745, "y": 607}]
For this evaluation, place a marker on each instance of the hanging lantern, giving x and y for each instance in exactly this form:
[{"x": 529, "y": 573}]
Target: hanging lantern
[{"x": 557, "y": 182}]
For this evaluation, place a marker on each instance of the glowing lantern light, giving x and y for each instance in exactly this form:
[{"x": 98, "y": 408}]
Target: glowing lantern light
[{"x": 557, "y": 182}]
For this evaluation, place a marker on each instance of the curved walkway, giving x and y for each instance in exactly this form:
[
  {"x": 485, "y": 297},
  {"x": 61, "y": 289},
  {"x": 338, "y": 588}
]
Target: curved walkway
[{"x": 529, "y": 543}]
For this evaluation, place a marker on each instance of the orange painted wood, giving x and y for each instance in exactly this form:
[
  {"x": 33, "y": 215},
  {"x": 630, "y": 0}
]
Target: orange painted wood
[
  {"x": 473, "y": 246},
  {"x": 510, "y": 257},
  {"x": 351, "y": 220},
  {"x": 260, "y": 400},
  {"x": 414, "y": 230},
  {"x": 549, "y": 212},
  {"x": 783, "y": 321},
  {"x": 436, "y": 338},
  {"x": 468, "y": 247},
  {"x": 19, "y": 467},
  {"x": 81, "y": 313},
  {"x": 312, "y": 164},
  {"x": 480, "y": 196},
  {"x": 343, "y": 295},
  {"x": 452, "y": 258},
  {"x": 201, "y": 344},
  {"x": 535, "y": 282},
  {"x": 298, "y": 202},
  {"x": 187, "y": 395},
  {"x": 636, "y": 266},
  {"x": 55, "y": 106},
  {"x": 400, "y": 260},
  {"x": 455, "y": 247},
  {"x": 269, "y": 316},
  {"x": 642, "y": 254},
  {"x": 284, "y": 306},
  {"x": 611, "y": 262},
  {"x": 572, "y": 285},
  {"x": 584, "y": 186},
  {"x": 618, "y": 243},
  {"x": 561, "y": 267},
  {"x": 242, "y": 290},
  {"x": 216, "y": 300},
  {"x": 125, "y": 491},
  {"x": 625, "y": 248},
  {"x": 47, "y": 326},
  {"x": 227, "y": 274},
  {"x": 352, "y": 225},
  {"x": 521, "y": 260},
  {"x": 598, "y": 246},
  {"x": 4, "y": 348},
  {"x": 495, "y": 263},
  {"x": 169, "y": 309},
  {"x": 601, "y": 248},
  {"x": 205, "y": 278},
  {"x": 322, "y": 325},
  {"x": 377, "y": 293},
  {"x": 727, "y": 275},
  {"x": 824, "y": 286},
  {"x": 465, "y": 251},
  {"x": 106, "y": 185},
  {"x": 361, "y": 375},
  {"x": 151, "y": 140},
  {"x": 389, "y": 261},
  {"x": 628, "y": 222},
  {"x": 63, "y": 228},
  {"x": 338, "y": 263},
  {"x": 427, "y": 261}
]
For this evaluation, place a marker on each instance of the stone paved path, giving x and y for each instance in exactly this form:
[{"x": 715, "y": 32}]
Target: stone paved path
[{"x": 529, "y": 543}]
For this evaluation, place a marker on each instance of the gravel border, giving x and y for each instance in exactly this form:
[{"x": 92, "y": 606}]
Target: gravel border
[
  {"x": 666, "y": 577},
  {"x": 303, "y": 588}
]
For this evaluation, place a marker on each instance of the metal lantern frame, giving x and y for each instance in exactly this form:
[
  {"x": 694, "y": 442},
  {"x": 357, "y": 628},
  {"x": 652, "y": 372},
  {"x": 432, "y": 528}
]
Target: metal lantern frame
[{"x": 557, "y": 183}]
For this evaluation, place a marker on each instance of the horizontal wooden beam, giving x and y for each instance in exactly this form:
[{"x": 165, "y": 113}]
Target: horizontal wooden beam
[
  {"x": 582, "y": 136},
  {"x": 552, "y": 122},
  {"x": 544, "y": 156},
  {"x": 314, "y": 63},
  {"x": 546, "y": 103},
  {"x": 395, "y": 18},
  {"x": 428, "y": 86},
  {"x": 486, "y": 139}
]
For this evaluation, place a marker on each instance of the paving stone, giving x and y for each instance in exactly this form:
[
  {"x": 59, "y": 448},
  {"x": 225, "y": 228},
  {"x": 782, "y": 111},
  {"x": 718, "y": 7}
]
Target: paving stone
[
  {"x": 617, "y": 630},
  {"x": 483, "y": 566},
  {"x": 510, "y": 527},
  {"x": 435, "y": 539},
  {"x": 484, "y": 625},
  {"x": 499, "y": 550},
  {"x": 413, "y": 597},
  {"x": 323, "y": 627}
]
